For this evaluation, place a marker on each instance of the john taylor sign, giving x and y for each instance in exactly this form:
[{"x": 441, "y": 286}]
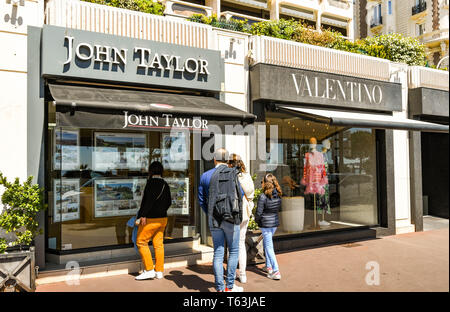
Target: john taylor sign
[
  {"x": 89, "y": 55},
  {"x": 276, "y": 83},
  {"x": 167, "y": 121}
]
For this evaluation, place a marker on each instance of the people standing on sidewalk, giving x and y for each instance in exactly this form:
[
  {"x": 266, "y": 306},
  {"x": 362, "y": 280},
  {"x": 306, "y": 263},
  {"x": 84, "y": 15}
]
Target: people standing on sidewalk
[
  {"x": 220, "y": 197},
  {"x": 152, "y": 219},
  {"x": 266, "y": 216},
  {"x": 246, "y": 182}
]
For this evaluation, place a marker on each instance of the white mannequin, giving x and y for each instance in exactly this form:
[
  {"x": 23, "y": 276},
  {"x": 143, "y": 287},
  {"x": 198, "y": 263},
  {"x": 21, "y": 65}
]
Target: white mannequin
[{"x": 326, "y": 145}]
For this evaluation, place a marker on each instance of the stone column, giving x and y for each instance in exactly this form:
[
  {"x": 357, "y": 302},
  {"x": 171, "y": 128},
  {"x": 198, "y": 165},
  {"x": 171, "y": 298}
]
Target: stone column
[
  {"x": 274, "y": 6},
  {"x": 403, "y": 224},
  {"x": 215, "y": 5},
  {"x": 318, "y": 16}
]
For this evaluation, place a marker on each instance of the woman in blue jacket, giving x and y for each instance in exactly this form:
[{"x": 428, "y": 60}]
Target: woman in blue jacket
[{"x": 266, "y": 216}]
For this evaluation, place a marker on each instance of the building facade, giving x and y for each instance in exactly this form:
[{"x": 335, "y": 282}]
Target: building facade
[
  {"x": 334, "y": 14},
  {"x": 426, "y": 20},
  {"x": 109, "y": 90}
]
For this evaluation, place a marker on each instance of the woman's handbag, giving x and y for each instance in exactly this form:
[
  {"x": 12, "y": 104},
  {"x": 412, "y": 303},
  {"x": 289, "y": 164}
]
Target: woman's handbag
[{"x": 134, "y": 221}]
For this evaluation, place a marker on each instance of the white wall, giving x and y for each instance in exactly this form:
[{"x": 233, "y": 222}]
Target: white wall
[
  {"x": 234, "y": 48},
  {"x": 399, "y": 73},
  {"x": 13, "y": 84}
]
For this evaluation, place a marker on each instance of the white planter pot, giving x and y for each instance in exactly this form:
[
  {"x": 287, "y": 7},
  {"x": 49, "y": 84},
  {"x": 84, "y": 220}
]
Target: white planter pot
[{"x": 292, "y": 214}]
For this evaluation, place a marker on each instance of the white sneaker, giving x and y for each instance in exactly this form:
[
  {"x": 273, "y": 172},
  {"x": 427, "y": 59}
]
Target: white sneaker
[
  {"x": 159, "y": 275},
  {"x": 268, "y": 270},
  {"x": 274, "y": 275},
  {"x": 146, "y": 275},
  {"x": 235, "y": 289},
  {"x": 243, "y": 278}
]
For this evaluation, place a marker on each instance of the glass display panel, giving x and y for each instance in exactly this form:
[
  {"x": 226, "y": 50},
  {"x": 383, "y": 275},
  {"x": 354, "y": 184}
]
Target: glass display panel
[
  {"x": 327, "y": 174},
  {"x": 98, "y": 177}
]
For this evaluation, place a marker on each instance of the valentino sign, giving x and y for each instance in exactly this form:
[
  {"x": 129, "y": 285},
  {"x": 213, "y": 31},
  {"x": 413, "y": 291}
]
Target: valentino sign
[
  {"x": 314, "y": 88},
  {"x": 97, "y": 56},
  {"x": 334, "y": 89}
]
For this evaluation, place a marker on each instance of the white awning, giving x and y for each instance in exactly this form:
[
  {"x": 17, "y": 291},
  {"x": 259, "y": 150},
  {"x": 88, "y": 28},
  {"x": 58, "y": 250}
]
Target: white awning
[
  {"x": 298, "y": 13},
  {"x": 364, "y": 120},
  {"x": 334, "y": 22},
  {"x": 252, "y": 3}
]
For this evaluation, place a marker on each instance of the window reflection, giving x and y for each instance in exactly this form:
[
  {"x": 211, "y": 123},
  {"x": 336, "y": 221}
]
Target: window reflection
[
  {"x": 327, "y": 174},
  {"x": 97, "y": 182}
]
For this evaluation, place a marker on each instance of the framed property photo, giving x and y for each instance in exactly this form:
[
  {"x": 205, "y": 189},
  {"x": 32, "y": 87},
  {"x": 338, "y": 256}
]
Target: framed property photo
[
  {"x": 175, "y": 151},
  {"x": 66, "y": 145},
  {"x": 179, "y": 190},
  {"x": 118, "y": 197},
  {"x": 66, "y": 202},
  {"x": 120, "y": 151}
]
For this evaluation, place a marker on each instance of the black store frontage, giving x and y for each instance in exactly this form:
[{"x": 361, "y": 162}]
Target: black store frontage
[
  {"x": 112, "y": 106},
  {"x": 430, "y": 152},
  {"x": 329, "y": 142}
]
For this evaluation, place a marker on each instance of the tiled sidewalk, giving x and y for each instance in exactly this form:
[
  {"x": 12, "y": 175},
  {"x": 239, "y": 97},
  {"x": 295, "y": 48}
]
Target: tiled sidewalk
[{"x": 407, "y": 262}]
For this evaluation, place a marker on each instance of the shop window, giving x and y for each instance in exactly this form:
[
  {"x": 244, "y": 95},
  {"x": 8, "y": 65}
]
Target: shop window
[
  {"x": 97, "y": 179},
  {"x": 328, "y": 174}
]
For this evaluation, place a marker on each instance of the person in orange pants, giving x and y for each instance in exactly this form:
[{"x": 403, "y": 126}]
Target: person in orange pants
[
  {"x": 152, "y": 230},
  {"x": 152, "y": 219}
]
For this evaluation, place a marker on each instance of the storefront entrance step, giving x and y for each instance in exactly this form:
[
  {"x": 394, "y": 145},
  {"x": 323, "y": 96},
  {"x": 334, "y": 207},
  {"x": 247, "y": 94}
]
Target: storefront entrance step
[{"x": 73, "y": 271}]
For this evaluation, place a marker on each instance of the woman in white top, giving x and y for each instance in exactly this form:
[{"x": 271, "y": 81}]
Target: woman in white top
[{"x": 248, "y": 187}]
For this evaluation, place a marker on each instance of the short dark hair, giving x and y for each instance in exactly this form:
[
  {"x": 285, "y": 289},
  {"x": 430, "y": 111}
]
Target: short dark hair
[{"x": 156, "y": 168}]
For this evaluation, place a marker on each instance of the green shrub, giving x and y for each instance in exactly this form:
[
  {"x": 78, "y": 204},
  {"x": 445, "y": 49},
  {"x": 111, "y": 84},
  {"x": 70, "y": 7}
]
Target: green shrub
[
  {"x": 252, "y": 225},
  {"x": 397, "y": 48},
  {"x": 146, "y": 6},
  {"x": 282, "y": 29},
  {"x": 21, "y": 203},
  {"x": 231, "y": 24}
]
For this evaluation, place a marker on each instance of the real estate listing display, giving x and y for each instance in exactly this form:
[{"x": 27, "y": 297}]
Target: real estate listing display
[
  {"x": 118, "y": 197},
  {"x": 66, "y": 205},
  {"x": 179, "y": 190},
  {"x": 120, "y": 151},
  {"x": 66, "y": 150},
  {"x": 175, "y": 151}
]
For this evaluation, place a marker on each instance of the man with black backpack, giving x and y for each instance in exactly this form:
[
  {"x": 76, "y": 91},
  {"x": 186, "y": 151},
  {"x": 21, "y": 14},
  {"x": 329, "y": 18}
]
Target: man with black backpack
[{"x": 220, "y": 196}]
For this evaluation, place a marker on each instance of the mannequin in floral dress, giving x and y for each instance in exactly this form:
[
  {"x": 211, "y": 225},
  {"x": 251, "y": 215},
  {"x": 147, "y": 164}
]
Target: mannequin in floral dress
[{"x": 314, "y": 174}]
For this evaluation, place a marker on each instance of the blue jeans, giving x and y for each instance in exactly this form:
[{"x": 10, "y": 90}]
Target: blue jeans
[
  {"x": 230, "y": 233},
  {"x": 271, "y": 260}
]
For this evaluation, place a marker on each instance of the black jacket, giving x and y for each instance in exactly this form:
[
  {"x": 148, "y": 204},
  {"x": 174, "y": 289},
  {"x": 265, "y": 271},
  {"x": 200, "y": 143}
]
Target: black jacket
[
  {"x": 267, "y": 210},
  {"x": 224, "y": 197},
  {"x": 150, "y": 207}
]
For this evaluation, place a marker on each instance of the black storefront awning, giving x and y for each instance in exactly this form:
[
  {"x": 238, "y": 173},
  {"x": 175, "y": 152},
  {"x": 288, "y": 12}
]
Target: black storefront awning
[
  {"x": 144, "y": 101},
  {"x": 364, "y": 120}
]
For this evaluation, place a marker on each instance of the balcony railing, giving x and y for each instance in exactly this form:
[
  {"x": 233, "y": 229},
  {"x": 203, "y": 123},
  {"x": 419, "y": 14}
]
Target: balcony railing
[
  {"x": 185, "y": 9},
  {"x": 376, "y": 22},
  {"x": 120, "y": 22},
  {"x": 419, "y": 76},
  {"x": 342, "y": 4},
  {"x": 237, "y": 16},
  {"x": 422, "y": 6},
  {"x": 437, "y": 35},
  {"x": 299, "y": 55}
]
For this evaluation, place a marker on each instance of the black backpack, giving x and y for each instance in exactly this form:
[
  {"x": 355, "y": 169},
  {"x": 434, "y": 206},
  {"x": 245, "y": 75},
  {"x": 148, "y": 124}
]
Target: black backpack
[{"x": 225, "y": 195}]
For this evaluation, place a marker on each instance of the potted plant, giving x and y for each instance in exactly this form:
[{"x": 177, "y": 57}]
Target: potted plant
[
  {"x": 253, "y": 239},
  {"x": 19, "y": 206}
]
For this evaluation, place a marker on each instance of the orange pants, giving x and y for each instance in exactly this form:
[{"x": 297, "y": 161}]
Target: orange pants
[{"x": 154, "y": 229}]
